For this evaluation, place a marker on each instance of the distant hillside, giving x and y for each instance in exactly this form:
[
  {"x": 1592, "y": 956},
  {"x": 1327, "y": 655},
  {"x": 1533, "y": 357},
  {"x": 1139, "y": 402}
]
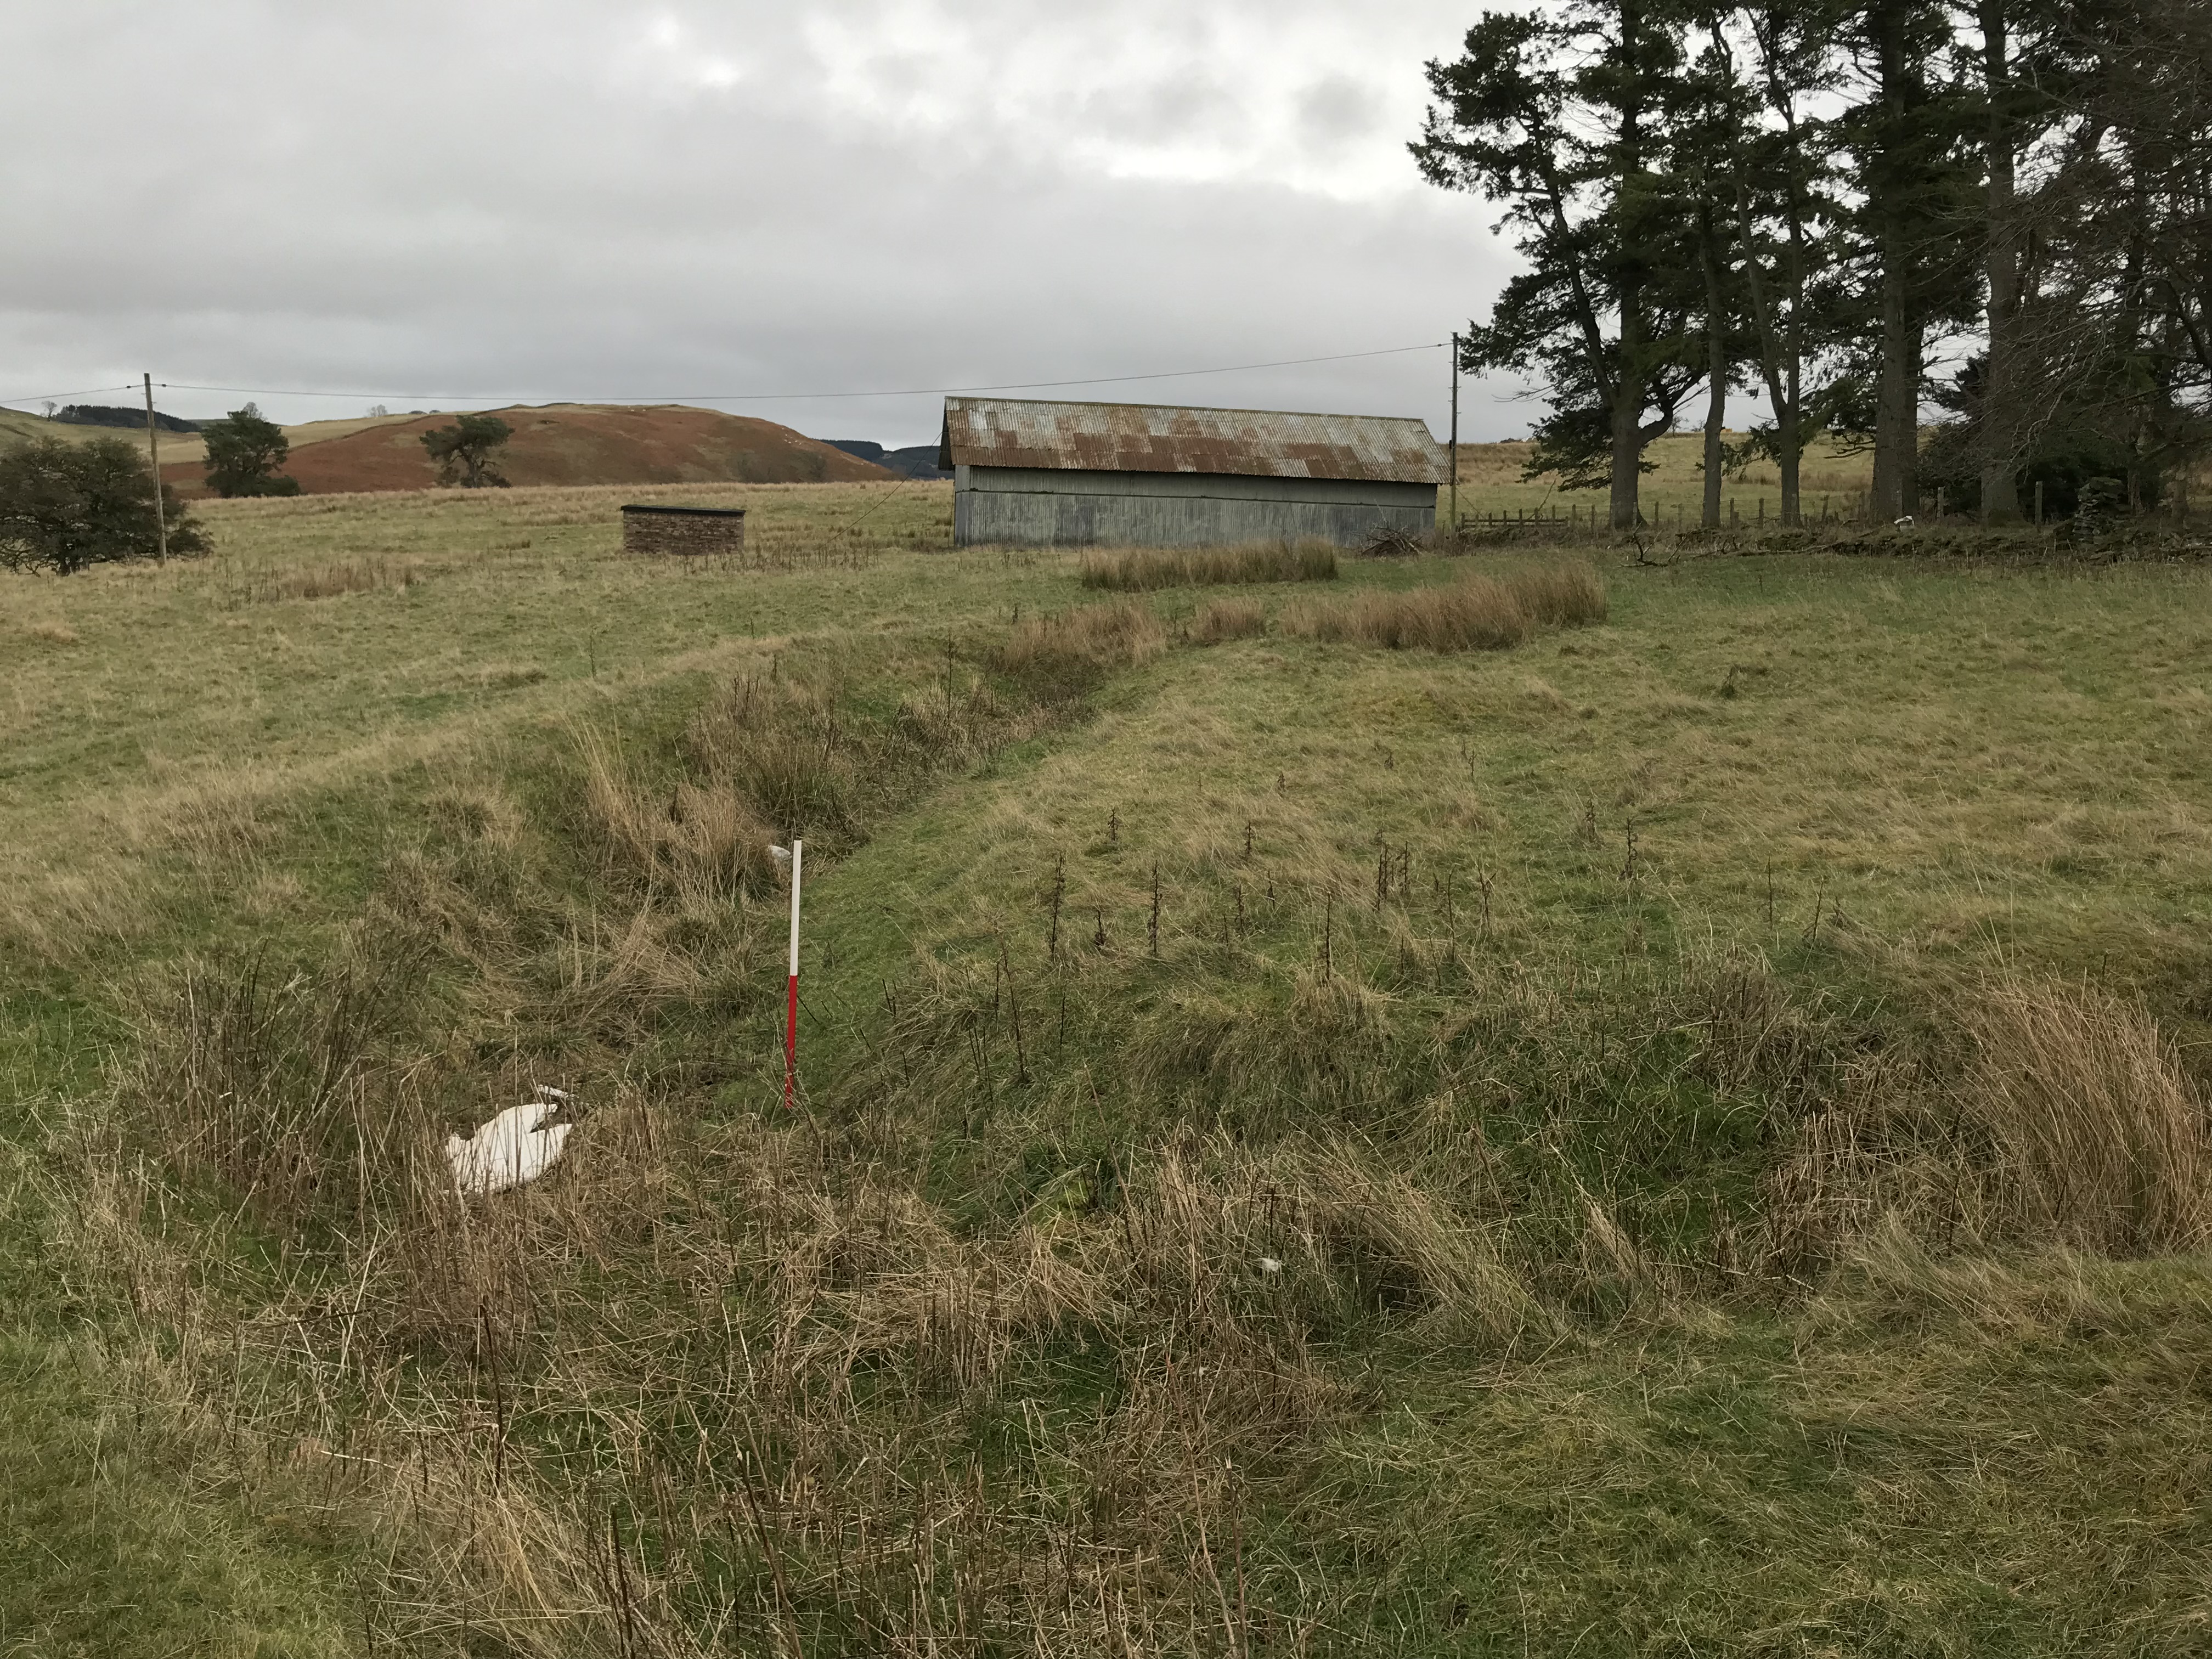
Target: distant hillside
[
  {"x": 18, "y": 427},
  {"x": 570, "y": 444},
  {"x": 916, "y": 461},
  {"x": 134, "y": 419}
]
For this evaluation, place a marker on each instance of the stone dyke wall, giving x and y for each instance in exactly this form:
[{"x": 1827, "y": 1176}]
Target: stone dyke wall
[{"x": 685, "y": 532}]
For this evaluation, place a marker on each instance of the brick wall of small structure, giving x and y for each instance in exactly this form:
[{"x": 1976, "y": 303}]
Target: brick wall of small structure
[{"x": 683, "y": 533}]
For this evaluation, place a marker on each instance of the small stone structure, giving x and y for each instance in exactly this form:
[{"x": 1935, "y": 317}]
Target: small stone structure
[{"x": 687, "y": 531}]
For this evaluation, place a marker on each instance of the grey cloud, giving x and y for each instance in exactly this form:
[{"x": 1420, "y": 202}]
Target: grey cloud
[
  {"x": 1337, "y": 108},
  {"x": 474, "y": 202}
]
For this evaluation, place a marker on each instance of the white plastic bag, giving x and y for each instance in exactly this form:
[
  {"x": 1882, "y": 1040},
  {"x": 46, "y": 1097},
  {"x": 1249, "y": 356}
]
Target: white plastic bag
[{"x": 519, "y": 1145}]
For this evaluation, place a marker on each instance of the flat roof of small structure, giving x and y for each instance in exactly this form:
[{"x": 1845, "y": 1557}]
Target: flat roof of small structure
[{"x": 1265, "y": 443}]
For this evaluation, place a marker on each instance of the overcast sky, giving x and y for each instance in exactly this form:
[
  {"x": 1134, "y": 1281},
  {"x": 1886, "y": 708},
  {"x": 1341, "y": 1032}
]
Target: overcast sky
[{"x": 427, "y": 206}]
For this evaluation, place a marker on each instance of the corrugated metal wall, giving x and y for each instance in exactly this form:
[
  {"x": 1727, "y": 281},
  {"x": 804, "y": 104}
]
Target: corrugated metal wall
[{"x": 1037, "y": 507}]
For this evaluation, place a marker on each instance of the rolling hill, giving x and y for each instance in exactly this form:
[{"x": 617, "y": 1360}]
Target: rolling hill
[{"x": 557, "y": 444}]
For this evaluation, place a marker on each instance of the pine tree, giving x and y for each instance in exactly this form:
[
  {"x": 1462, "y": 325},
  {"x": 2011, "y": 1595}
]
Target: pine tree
[
  {"x": 1787, "y": 212},
  {"x": 1906, "y": 137},
  {"x": 1563, "y": 118},
  {"x": 244, "y": 452},
  {"x": 464, "y": 451}
]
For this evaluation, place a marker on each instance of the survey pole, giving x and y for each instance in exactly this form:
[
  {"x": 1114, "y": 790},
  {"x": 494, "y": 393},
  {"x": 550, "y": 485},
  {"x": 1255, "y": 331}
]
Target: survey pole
[
  {"x": 154, "y": 451},
  {"x": 791, "y": 1003}
]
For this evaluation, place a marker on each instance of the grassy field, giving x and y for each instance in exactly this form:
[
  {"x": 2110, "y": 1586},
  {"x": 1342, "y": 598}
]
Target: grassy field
[
  {"x": 16, "y": 426},
  {"x": 1681, "y": 1134},
  {"x": 1491, "y": 482}
]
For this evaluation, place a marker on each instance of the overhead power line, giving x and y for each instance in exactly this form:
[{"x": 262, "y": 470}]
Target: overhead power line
[{"x": 55, "y": 397}]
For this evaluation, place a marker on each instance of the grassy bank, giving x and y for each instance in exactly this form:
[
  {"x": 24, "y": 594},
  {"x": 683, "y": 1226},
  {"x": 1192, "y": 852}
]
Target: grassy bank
[{"x": 1602, "y": 1141}]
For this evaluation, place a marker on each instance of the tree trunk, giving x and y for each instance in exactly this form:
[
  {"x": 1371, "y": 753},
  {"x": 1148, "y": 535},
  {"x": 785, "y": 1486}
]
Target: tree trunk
[
  {"x": 1897, "y": 399},
  {"x": 1792, "y": 421},
  {"x": 1789, "y": 421},
  {"x": 1628, "y": 418},
  {"x": 2000, "y": 411},
  {"x": 1793, "y": 468},
  {"x": 1896, "y": 407},
  {"x": 1717, "y": 361},
  {"x": 1628, "y": 385}
]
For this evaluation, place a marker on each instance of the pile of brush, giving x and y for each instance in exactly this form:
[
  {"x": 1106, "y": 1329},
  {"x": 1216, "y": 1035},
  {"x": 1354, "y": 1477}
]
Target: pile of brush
[{"x": 1388, "y": 541}]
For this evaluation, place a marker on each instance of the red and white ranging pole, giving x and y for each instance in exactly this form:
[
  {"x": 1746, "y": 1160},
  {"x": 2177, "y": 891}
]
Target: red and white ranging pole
[{"x": 791, "y": 1006}]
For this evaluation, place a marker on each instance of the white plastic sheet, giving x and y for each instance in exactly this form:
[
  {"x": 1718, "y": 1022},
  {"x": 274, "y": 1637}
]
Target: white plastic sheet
[{"x": 515, "y": 1147}]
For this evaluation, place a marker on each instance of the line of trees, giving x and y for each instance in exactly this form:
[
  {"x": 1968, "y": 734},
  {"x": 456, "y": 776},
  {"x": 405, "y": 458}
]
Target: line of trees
[{"x": 1852, "y": 210}]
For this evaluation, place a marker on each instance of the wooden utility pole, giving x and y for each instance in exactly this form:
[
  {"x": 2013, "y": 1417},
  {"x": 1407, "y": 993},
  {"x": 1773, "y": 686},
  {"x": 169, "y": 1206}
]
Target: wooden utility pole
[
  {"x": 154, "y": 450},
  {"x": 1454, "y": 434}
]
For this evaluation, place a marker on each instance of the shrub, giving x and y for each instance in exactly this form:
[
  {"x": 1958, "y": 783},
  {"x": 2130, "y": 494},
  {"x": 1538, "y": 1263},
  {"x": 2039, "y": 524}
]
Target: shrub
[
  {"x": 1141, "y": 569},
  {"x": 64, "y": 506}
]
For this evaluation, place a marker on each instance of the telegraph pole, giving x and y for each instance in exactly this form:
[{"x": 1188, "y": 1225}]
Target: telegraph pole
[
  {"x": 154, "y": 450},
  {"x": 1454, "y": 434}
]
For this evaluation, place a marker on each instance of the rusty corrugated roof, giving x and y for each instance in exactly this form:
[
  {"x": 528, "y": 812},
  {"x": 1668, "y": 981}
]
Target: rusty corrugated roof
[{"x": 1264, "y": 443}]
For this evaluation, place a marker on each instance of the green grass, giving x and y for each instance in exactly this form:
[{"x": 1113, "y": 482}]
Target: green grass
[
  {"x": 1559, "y": 1359},
  {"x": 1491, "y": 483}
]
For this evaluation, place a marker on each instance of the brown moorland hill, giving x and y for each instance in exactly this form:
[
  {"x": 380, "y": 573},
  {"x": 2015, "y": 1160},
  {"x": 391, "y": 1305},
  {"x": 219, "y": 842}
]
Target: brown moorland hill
[{"x": 575, "y": 444}]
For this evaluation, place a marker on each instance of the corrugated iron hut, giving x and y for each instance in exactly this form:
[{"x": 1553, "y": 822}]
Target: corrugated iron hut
[
  {"x": 693, "y": 532},
  {"x": 1144, "y": 475}
]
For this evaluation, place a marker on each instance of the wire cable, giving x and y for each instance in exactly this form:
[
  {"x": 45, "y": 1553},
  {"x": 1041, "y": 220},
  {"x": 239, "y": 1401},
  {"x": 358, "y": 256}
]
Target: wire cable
[
  {"x": 796, "y": 397},
  {"x": 55, "y": 397}
]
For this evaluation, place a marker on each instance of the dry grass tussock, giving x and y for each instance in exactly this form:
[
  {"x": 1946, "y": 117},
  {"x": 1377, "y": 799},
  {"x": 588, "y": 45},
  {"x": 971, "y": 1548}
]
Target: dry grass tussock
[
  {"x": 1475, "y": 612},
  {"x": 705, "y": 842},
  {"x": 1559, "y": 595},
  {"x": 253, "y": 582},
  {"x": 1143, "y": 568},
  {"x": 1068, "y": 652},
  {"x": 2101, "y": 1137},
  {"x": 345, "y": 576},
  {"x": 1228, "y": 619},
  {"x": 2067, "y": 1122}
]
